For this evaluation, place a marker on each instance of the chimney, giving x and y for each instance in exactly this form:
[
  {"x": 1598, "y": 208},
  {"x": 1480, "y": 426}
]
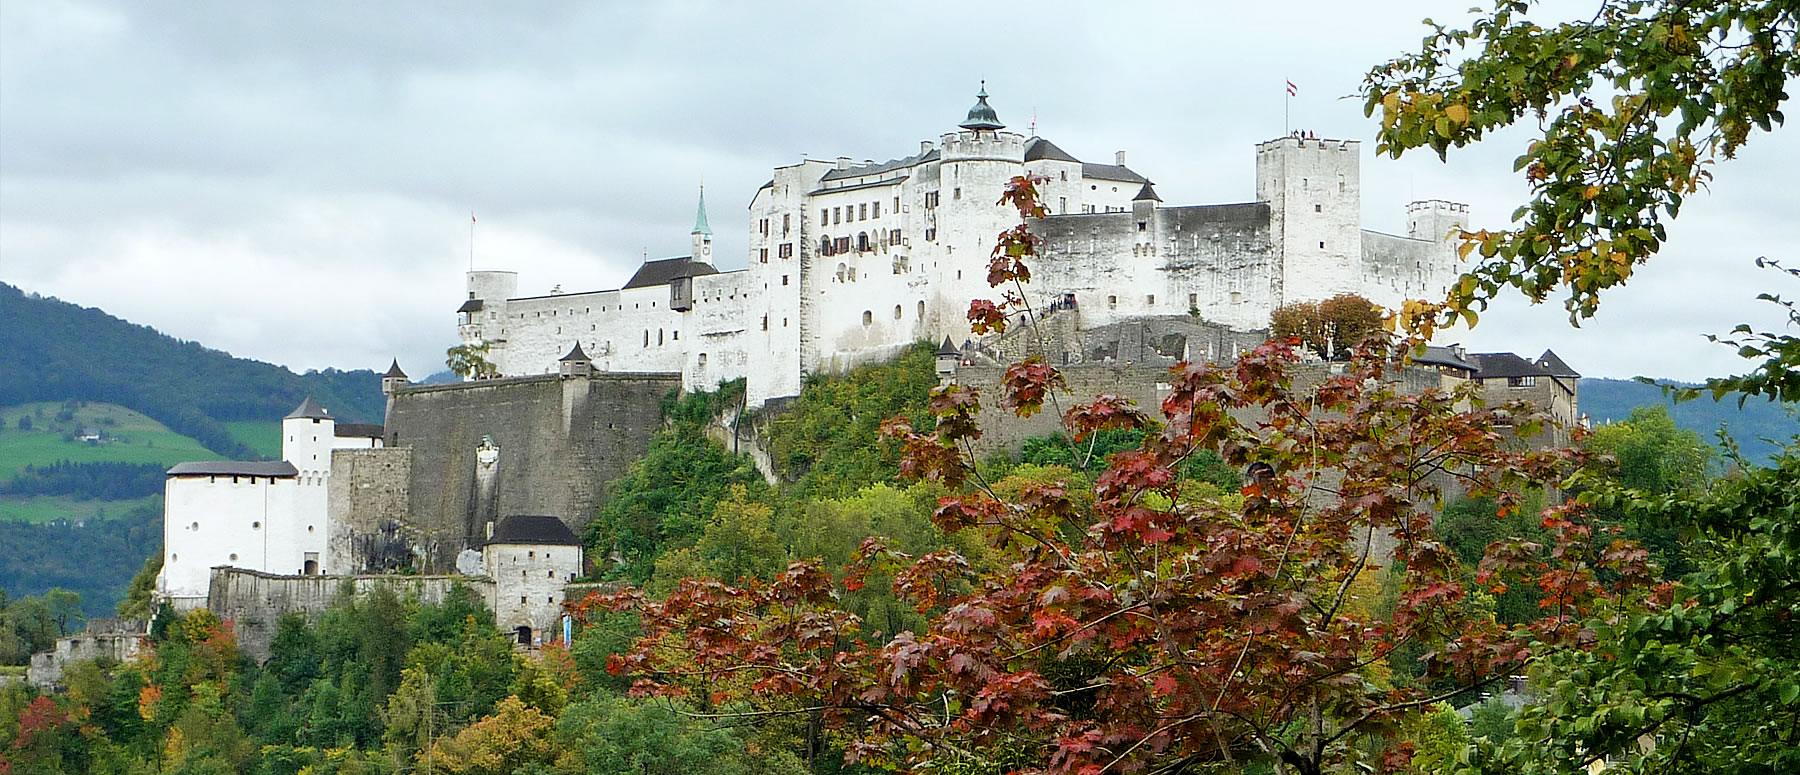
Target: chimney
[
  {"x": 1119, "y": 158},
  {"x": 924, "y": 147},
  {"x": 843, "y": 162}
]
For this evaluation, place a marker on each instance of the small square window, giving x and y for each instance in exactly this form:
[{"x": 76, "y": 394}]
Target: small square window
[{"x": 1318, "y": 208}]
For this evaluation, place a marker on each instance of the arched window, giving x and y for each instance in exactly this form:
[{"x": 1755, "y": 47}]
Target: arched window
[
  {"x": 897, "y": 312},
  {"x": 868, "y": 317},
  {"x": 659, "y": 340},
  {"x": 824, "y": 246},
  {"x": 841, "y": 270},
  {"x": 921, "y": 310},
  {"x": 862, "y": 241}
]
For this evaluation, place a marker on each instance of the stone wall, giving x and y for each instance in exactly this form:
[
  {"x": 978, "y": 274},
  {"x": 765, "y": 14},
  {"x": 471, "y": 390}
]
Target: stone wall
[
  {"x": 255, "y": 602},
  {"x": 112, "y": 640},
  {"x": 560, "y": 439},
  {"x": 367, "y": 530}
]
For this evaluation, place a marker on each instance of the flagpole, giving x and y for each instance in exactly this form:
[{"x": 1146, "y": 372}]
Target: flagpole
[
  {"x": 1287, "y": 98},
  {"x": 471, "y": 240}
]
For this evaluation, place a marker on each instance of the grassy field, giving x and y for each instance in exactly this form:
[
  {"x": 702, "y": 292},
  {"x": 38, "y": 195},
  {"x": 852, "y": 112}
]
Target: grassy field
[
  {"x": 45, "y": 508},
  {"x": 128, "y": 437},
  {"x": 264, "y": 437}
]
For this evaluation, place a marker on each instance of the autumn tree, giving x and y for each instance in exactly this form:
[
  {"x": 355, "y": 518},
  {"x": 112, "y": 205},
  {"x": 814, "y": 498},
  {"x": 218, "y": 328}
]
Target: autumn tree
[
  {"x": 1330, "y": 328},
  {"x": 1631, "y": 110},
  {"x": 1147, "y": 627}
]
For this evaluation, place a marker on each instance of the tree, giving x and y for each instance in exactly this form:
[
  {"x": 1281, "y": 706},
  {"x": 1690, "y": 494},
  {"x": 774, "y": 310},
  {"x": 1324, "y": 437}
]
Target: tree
[
  {"x": 138, "y": 595},
  {"x": 469, "y": 361},
  {"x": 1152, "y": 627},
  {"x": 514, "y": 736},
  {"x": 1330, "y": 328}
]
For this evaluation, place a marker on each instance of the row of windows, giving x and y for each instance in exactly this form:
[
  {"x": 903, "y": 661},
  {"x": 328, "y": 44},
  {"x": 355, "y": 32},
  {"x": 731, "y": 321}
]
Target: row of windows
[
  {"x": 869, "y": 315},
  {"x": 762, "y": 225},
  {"x": 784, "y": 250},
  {"x": 851, "y": 213}
]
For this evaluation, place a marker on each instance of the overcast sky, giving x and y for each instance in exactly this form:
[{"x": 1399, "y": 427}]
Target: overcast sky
[{"x": 293, "y": 182}]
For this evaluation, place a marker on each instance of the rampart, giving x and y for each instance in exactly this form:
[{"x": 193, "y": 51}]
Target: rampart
[
  {"x": 255, "y": 601},
  {"x": 559, "y": 440}
]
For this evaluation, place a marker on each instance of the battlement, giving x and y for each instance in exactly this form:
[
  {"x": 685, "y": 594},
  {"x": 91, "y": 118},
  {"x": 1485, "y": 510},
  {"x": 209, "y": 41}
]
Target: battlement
[
  {"x": 1437, "y": 205},
  {"x": 982, "y": 145},
  {"x": 1303, "y": 143}
]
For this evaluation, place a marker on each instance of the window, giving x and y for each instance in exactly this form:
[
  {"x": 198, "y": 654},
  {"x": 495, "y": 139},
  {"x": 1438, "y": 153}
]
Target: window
[
  {"x": 1112, "y": 301},
  {"x": 1318, "y": 208},
  {"x": 877, "y": 213},
  {"x": 659, "y": 337},
  {"x": 1150, "y": 300},
  {"x": 765, "y": 322},
  {"x": 956, "y": 193},
  {"x": 677, "y": 336},
  {"x": 862, "y": 242},
  {"x": 894, "y": 237},
  {"x": 1143, "y": 225},
  {"x": 824, "y": 217},
  {"x": 868, "y": 317},
  {"x": 1194, "y": 301},
  {"x": 862, "y": 212},
  {"x": 931, "y": 199},
  {"x": 897, "y": 312},
  {"x": 763, "y": 255},
  {"x": 1526, "y": 381},
  {"x": 786, "y": 250},
  {"x": 896, "y": 204},
  {"x": 1321, "y": 245},
  {"x": 552, "y": 574},
  {"x": 931, "y": 234},
  {"x": 921, "y": 309},
  {"x": 765, "y": 227},
  {"x": 837, "y": 214},
  {"x": 784, "y": 279},
  {"x": 1065, "y": 176},
  {"x": 646, "y": 337},
  {"x": 1062, "y": 204}
]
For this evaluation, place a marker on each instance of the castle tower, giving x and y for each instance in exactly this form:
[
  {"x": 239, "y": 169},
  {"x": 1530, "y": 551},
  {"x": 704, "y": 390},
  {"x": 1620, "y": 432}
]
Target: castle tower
[
  {"x": 1314, "y": 193},
  {"x": 306, "y": 438},
  {"x": 976, "y": 164},
  {"x": 702, "y": 233}
]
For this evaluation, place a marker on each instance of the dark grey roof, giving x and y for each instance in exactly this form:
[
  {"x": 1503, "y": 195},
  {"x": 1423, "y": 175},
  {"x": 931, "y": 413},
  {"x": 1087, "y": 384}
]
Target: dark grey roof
[
  {"x": 855, "y": 186},
  {"x": 1146, "y": 193},
  {"x": 394, "y": 370},
  {"x": 663, "y": 270},
  {"x": 1555, "y": 365},
  {"x": 1039, "y": 148},
  {"x": 982, "y": 115},
  {"x": 1112, "y": 172},
  {"x": 1497, "y": 365},
  {"x": 877, "y": 169},
  {"x": 278, "y": 468},
  {"x": 357, "y": 430},
  {"x": 472, "y": 305},
  {"x": 575, "y": 354},
  {"x": 1444, "y": 356},
  {"x": 533, "y": 529},
  {"x": 308, "y": 410},
  {"x": 947, "y": 348}
]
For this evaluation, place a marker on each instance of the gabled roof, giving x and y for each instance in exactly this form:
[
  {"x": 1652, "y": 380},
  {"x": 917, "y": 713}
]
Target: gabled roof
[
  {"x": 277, "y": 469},
  {"x": 1146, "y": 193},
  {"x": 472, "y": 305},
  {"x": 947, "y": 348},
  {"x": 308, "y": 410},
  {"x": 1039, "y": 148},
  {"x": 661, "y": 271},
  {"x": 394, "y": 370},
  {"x": 1500, "y": 365},
  {"x": 533, "y": 529},
  {"x": 575, "y": 355},
  {"x": 1555, "y": 365},
  {"x": 357, "y": 430},
  {"x": 1112, "y": 172},
  {"x": 1444, "y": 356}
]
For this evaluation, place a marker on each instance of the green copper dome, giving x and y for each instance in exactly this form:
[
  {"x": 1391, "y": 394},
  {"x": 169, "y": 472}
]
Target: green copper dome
[{"x": 982, "y": 116}]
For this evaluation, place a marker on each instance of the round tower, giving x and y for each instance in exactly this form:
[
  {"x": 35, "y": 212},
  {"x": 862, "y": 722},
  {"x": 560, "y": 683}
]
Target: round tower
[{"x": 975, "y": 165}]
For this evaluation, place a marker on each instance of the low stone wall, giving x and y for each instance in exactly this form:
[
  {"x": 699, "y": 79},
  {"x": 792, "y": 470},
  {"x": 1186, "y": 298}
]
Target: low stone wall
[
  {"x": 112, "y": 640},
  {"x": 255, "y": 602}
]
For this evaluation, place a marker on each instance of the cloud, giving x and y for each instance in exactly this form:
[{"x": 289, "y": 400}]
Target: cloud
[{"x": 293, "y": 182}]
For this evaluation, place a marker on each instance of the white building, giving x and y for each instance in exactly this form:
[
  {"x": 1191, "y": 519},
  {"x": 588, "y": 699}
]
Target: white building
[
  {"x": 850, "y": 262},
  {"x": 265, "y": 516},
  {"x": 530, "y": 558}
]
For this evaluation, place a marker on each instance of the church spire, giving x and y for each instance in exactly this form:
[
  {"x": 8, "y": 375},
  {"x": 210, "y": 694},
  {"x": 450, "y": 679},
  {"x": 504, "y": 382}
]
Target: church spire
[{"x": 700, "y": 226}]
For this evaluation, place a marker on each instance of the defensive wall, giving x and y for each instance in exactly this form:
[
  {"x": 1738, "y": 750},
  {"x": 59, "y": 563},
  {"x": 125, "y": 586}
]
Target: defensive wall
[
  {"x": 255, "y": 601},
  {"x": 551, "y": 444}
]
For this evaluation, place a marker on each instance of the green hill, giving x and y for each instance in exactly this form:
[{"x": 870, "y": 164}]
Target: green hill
[
  {"x": 1611, "y": 400},
  {"x": 51, "y": 350}
]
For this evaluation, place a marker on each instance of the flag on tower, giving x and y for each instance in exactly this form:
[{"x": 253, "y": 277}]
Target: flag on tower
[
  {"x": 1292, "y": 89},
  {"x": 471, "y": 217}
]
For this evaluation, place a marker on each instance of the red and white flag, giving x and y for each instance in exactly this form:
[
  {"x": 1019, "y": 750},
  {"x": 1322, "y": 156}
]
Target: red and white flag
[
  {"x": 472, "y": 215},
  {"x": 1292, "y": 89}
]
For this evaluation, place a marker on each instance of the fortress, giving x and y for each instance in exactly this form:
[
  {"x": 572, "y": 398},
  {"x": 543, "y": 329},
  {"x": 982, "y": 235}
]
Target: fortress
[
  {"x": 491, "y": 482},
  {"x": 849, "y": 262}
]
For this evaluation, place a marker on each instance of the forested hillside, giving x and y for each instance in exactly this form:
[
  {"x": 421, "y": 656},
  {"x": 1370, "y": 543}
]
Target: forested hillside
[
  {"x": 51, "y": 350},
  {"x": 1612, "y": 400}
]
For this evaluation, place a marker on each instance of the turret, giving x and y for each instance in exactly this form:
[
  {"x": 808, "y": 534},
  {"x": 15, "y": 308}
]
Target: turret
[
  {"x": 1144, "y": 203},
  {"x": 948, "y": 358},
  {"x": 1435, "y": 219},
  {"x": 393, "y": 380},
  {"x": 575, "y": 364},
  {"x": 306, "y": 437},
  {"x": 702, "y": 233}
]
